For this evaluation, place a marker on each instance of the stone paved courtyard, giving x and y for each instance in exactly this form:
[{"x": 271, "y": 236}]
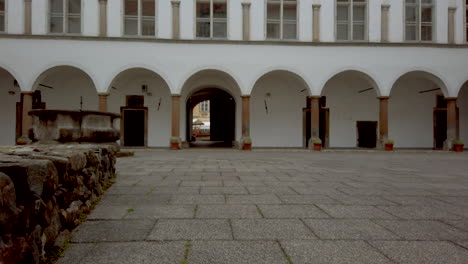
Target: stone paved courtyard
[{"x": 227, "y": 206}]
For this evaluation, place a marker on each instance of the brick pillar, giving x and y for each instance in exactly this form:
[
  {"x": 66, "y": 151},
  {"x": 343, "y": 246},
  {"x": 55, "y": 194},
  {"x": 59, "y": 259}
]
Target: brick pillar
[
  {"x": 27, "y": 17},
  {"x": 175, "y": 19},
  {"x": 316, "y": 25},
  {"x": 176, "y": 116},
  {"x": 314, "y": 120},
  {"x": 246, "y": 116},
  {"x": 383, "y": 120},
  {"x": 27, "y": 119},
  {"x": 451, "y": 25},
  {"x": 384, "y": 30},
  {"x": 452, "y": 128},
  {"x": 103, "y": 102},
  {"x": 246, "y": 21},
  {"x": 102, "y": 18}
]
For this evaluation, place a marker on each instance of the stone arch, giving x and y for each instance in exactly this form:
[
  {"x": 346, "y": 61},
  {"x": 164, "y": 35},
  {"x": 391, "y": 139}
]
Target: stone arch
[
  {"x": 126, "y": 68},
  {"x": 234, "y": 80},
  {"x": 10, "y": 94},
  {"x": 426, "y": 74},
  {"x": 361, "y": 73},
  {"x": 291, "y": 72}
]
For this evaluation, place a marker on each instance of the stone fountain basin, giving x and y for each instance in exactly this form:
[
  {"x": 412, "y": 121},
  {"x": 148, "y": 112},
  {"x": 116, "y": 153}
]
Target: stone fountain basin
[{"x": 64, "y": 126}]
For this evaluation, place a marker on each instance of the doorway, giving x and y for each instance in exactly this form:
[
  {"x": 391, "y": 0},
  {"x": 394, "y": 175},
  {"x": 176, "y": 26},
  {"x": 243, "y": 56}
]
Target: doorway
[
  {"x": 134, "y": 122},
  {"x": 211, "y": 118},
  {"x": 367, "y": 134}
]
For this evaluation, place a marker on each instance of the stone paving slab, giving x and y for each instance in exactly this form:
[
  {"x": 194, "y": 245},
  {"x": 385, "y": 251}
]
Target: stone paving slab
[
  {"x": 423, "y": 230},
  {"x": 333, "y": 252},
  {"x": 308, "y": 199},
  {"x": 174, "y": 229},
  {"x": 239, "y": 252},
  {"x": 420, "y": 212},
  {"x": 112, "y": 230},
  {"x": 76, "y": 252},
  {"x": 228, "y": 211},
  {"x": 270, "y": 229},
  {"x": 253, "y": 199},
  {"x": 292, "y": 211},
  {"x": 161, "y": 211},
  {"x": 197, "y": 199},
  {"x": 427, "y": 252},
  {"x": 355, "y": 211}
]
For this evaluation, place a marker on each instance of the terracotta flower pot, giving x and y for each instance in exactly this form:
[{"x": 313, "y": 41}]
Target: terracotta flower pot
[
  {"x": 247, "y": 146},
  {"x": 317, "y": 146},
  {"x": 175, "y": 146},
  {"x": 458, "y": 147},
  {"x": 388, "y": 147}
]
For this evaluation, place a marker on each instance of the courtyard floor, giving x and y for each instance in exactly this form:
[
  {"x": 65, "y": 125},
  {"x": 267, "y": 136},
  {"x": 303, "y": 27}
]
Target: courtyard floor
[{"x": 228, "y": 206}]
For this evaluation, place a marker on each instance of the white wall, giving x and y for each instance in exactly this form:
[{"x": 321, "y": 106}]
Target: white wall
[
  {"x": 411, "y": 113},
  {"x": 158, "y": 103},
  {"x": 8, "y": 108},
  {"x": 462, "y": 104},
  {"x": 347, "y": 106},
  {"x": 282, "y": 125}
]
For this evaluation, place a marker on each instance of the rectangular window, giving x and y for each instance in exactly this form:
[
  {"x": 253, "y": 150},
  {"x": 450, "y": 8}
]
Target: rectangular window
[
  {"x": 2, "y": 15},
  {"x": 419, "y": 15},
  {"x": 351, "y": 20},
  {"x": 211, "y": 19},
  {"x": 281, "y": 21},
  {"x": 65, "y": 16},
  {"x": 140, "y": 18}
]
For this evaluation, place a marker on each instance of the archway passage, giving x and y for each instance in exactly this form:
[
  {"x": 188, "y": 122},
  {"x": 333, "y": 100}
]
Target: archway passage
[
  {"x": 220, "y": 107},
  {"x": 462, "y": 103},
  {"x": 9, "y": 96}
]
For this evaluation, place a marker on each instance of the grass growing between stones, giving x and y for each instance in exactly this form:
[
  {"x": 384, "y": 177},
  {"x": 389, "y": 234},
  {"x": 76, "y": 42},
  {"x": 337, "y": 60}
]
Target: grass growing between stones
[
  {"x": 288, "y": 258},
  {"x": 54, "y": 254},
  {"x": 187, "y": 251}
]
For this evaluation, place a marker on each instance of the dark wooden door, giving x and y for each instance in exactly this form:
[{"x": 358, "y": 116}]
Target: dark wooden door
[
  {"x": 440, "y": 127},
  {"x": 134, "y": 128},
  {"x": 222, "y": 118},
  {"x": 367, "y": 134}
]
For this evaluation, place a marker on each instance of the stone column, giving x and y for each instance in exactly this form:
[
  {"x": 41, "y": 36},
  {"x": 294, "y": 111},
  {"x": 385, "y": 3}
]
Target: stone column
[
  {"x": 176, "y": 116},
  {"x": 452, "y": 132},
  {"x": 175, "y": 19},
  {"x": 314, "y": 120},
  {"x": 451, "y": 25},
  {"x": 316, "y": 21},
  {"x": 383, "y": 120},
  {"x": 26, "y": 118},
  {"x": 245, "y": 116},
  {"x": 384, "y": 23},
  {"x": 102, "y": 18},
  {"x": 103, "y": 102},
  {"x": 27, "y": 17},
  {"x": 246, "y": 21}
]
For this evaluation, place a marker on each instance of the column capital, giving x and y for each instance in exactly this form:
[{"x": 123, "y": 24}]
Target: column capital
[
  {"x": 314, "y": 97},
  {"x": 452, "y": 9},
  {"x": 27, "y": 1},
  {"x": 245, "y": 96},
  {"x": 385, "y": 7},
  {"x": 451, "y": 98},
  {"x": 103, "y": 94},
  {"x": 383, "y": 97},
  {"x": 316, "y": 6},
  {"x": 175, "y": 2},
  {"x": 102, "y": 1},
  {"x": 245, "y": 4},
  {"x": 175, "y": 95},
  {"x": 27, "y": 92}
]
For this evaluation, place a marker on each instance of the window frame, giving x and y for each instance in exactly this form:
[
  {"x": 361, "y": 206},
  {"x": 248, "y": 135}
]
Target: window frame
[
  {"x": 351, "y": 23},
  {"x": 465, "y": 20},
  {"x": 5, "y": 18},
  {"x": 212, "y": 21},
  {"x": 281, "y": 22},
  {"x": 419, "y": 22},
  {"x": 140, "y": 18},
  {"x": 205, "y": 106},
  {"x": 65, "y": 16}
]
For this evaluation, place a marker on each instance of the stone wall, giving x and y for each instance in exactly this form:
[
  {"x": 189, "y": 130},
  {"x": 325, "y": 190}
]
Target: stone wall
[{"x": 44, "y": 191}]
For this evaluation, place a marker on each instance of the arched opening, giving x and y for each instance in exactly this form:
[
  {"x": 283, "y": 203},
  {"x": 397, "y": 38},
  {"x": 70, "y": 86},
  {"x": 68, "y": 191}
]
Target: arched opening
[
  {"x": 223, "y": 94},
  {"x": 66, "y": 88},
  {"x": 278, "y": 101},
  {"x": 350, "y": 97},
  {"x": 143, "y": 99},
  {"x": 211, "y": 121},
  {"x": 462, "y": 103},
  {"x": 418, "y": 111},
  {"x": 9, "y": 98}
]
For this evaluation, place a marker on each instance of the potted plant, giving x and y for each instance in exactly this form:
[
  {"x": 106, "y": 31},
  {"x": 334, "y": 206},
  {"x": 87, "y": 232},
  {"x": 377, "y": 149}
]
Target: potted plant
[
  {"x": 389, "y": 145},
  {"x": 247, "y": 144},
  {"x": 175, "y": 143},
  {"x": 458, "y": 146},
  {"x": 23, "y": 141},
  {"x": 317, "y": 142}
]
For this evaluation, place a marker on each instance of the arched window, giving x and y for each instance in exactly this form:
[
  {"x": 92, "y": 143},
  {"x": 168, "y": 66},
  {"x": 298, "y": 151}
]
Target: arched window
[
  {"x": 2, "y": 15},
  {"x": 211, "y": 19},
  {"x": 419, "y": 17},
  {"x": 281, "y": 21},
  {"x": 351, "y": 20},
  {"x": 65, "y": 16},
  {"x": 140, "y": 18}
]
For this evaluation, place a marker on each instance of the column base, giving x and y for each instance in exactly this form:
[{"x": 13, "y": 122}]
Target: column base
[
  {"x": 175, "y": 143},
  {"x": 315, "y": 144},
  {"x": 448, "y": 144},
  {"x": 246, "y": 143}
]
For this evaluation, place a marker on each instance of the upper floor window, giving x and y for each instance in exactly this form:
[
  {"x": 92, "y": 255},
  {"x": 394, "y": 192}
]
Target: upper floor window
[
  {"x": 418, "y": 20},
  {"x": 211, "y": 19},
  {"x": 65, "y": 16},
  {"x": 140, "y": 18},
  {"x": 351, "y": 20},
  {"x": 2, "y": 15},
  {"x": 205, "y": 106},
  {"x": 281, "y": 20}
]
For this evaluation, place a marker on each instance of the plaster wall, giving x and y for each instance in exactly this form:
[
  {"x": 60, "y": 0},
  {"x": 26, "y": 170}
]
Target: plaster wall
[
  {"x": 410, "y": 113},
  {"x": 157, "y": 99},
  {"x": 347, "y": 106},
  {"x": 276, "y": 105},
  {"x": 8, "y": 108}
]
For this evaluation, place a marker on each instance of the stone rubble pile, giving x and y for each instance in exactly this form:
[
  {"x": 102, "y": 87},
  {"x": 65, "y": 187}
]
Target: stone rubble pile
[{"x": 44, "y": 191}]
